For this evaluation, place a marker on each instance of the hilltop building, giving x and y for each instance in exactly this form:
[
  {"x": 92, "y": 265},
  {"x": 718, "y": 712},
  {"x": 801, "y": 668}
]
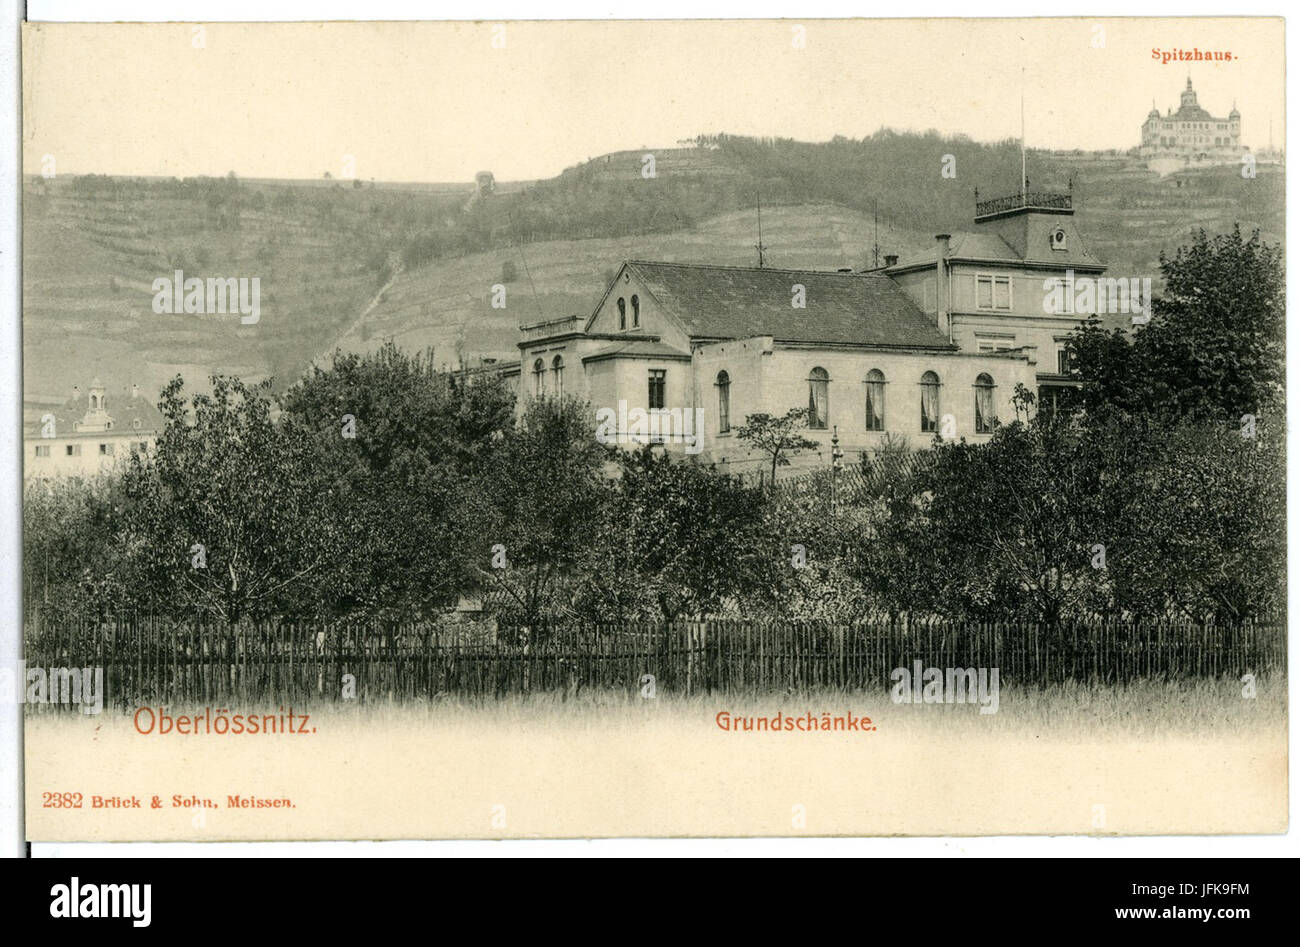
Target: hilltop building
[
  {"x": 89, "y": 433},
  {"x": 935, "y": 345},
  {"x": 1191, "y": 134}
]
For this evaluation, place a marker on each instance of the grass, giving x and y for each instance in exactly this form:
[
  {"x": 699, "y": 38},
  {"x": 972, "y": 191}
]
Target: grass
[{"x": 1070, "y": 712}]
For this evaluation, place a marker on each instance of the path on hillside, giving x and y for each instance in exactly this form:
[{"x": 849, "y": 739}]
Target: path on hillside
[{"x": 328, "y": 352}]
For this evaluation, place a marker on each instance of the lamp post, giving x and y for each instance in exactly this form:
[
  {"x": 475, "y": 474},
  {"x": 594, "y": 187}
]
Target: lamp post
[{"x": 837, "y": 457}]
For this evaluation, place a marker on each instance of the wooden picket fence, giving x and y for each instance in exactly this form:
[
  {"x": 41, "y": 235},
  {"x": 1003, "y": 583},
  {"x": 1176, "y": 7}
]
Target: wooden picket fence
[{"x": 150, "y": 660}]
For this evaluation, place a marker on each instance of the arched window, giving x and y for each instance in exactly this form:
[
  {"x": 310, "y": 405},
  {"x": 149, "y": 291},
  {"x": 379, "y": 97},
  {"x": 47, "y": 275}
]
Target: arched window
[
  {"x": 622, "y": 313},
  {"x": 875, "y": 400},
  {"x": 539, "y": 377},
  {"x": 818, "y": 398},
  {"x": 929, "y": 403},
  {"x": 985, "y": 417},
  {"x": 724, "y": 402},
  {"x": 636, "y": 311},
  {"x": 557, "y": 366}
]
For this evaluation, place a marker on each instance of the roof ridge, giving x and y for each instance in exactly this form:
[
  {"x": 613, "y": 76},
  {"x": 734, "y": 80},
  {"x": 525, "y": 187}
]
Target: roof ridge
[{"x": 748, "y": 269}]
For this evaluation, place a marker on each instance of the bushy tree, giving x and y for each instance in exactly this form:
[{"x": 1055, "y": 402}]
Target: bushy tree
[
  {"x": 1213, "y": 347},
  {"x": 226, "y": 515},
  {"x": 544, "y": 493},
  {"x": 676, "y": 538},
  {"x": 407, "y": 449}
]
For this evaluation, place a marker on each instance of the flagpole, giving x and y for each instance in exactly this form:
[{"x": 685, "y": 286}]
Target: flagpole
[{"x": 1023, "y": 172}]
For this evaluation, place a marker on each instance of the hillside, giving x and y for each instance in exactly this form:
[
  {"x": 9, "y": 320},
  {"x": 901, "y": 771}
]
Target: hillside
[
  {"x": 323, "y": 250},
  {"x": 447, "y": 305}
]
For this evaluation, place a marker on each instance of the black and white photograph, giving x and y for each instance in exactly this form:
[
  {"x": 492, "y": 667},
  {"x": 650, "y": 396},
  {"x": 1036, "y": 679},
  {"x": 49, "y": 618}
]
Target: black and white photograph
[{"x": 652, "y": 428}]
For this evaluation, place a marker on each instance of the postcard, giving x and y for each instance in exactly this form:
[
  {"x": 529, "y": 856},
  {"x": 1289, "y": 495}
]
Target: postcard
[{"x": 717, "y": 428}]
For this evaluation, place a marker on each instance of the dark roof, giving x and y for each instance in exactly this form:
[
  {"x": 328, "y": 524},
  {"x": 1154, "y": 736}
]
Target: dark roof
[
  {"x": 968, "y": 246},
  {"x": 979, "y": 247},
  {"x": 1194, "y": 113},
  {"x": 122, "y": 408},
  {"x": 735, "y": 302}
]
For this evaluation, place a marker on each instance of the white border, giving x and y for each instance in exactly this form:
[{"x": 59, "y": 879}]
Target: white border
[{"x": 11, "y": 836}]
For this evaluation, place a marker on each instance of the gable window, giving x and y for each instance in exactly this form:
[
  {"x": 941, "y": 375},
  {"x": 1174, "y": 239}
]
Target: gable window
[
  {"x": 622, "y": 313},
  {"x": 992, "y": 292},
  {"x": 557, "y": 368},
  {"x": 636, "y": 312},
  {"x": 657, "y": 376},
  {"x": 724, "y": 402},
  {"x": 818, "y": 398},
  {"x": 929, "y": 403},
  {"x": 875, "y": 400},
  {"x": 985, "y": 418},
  {"x": 539, "y": 377}
]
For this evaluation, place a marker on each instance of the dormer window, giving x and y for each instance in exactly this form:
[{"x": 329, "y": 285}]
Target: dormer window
[
  {"x": 1058, "y": 239},
  {"x": 136, "y": 424}
]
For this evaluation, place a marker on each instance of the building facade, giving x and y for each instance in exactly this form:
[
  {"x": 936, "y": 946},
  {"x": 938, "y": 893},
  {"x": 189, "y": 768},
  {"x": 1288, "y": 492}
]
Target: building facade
[
  {"x": 90, "y": 433},
  {"x": 934, "y": 346},
  {"x": 1191, "y": 134}
]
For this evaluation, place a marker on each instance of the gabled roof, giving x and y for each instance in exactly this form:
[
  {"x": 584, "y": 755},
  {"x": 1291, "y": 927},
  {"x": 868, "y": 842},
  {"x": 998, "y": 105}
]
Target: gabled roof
[
  {"x": 736, "y": 302},
  {"x": 122, "y": 408}
]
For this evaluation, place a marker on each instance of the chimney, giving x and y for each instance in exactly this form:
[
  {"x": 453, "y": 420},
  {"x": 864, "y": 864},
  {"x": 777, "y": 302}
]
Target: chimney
[
  {"x": 941, "y": 282},
  {"x": 135, "y": 391},
  {"x": 891, "y": 259},
  {"x": 76, "y": 392}
]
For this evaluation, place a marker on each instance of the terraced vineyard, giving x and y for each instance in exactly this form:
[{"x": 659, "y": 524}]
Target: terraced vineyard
[{"x": 323, "y": 252}]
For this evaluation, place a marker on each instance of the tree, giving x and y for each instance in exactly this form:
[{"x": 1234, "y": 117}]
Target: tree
[
  {"x": 676, "y": 538},
  {"x": 542, "y": 499},
  {"x": 76, "y": 565},
  {"x": 778, "y": 438},
  {"x": 1007, "y": 526},
  {"x": 1214, "y": 345},
  {"x": 407, "y": 448},
  {"x": 226, "y": 511}
]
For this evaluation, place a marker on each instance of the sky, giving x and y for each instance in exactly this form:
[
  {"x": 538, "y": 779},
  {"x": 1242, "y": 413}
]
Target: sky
[{"x": 526, "y": 99}]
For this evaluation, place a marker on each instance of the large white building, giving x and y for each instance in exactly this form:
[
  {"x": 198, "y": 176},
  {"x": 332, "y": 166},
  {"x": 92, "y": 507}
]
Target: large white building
[
  {"x": 89, "y": 433},
  {"x": 1191, "y": 134},
  {"x": 935, "y": 345}
]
